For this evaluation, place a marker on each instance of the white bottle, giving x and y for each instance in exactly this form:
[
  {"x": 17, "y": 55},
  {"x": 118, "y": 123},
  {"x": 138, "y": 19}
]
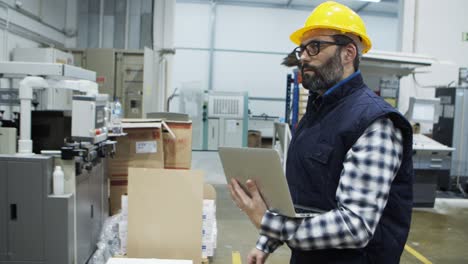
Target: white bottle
[
  {"x": 117, "y": 118},
  {"x": 58, "y": 181}
]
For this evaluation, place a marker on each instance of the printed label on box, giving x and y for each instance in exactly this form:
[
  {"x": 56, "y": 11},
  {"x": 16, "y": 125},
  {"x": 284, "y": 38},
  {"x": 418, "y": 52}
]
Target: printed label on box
[{"x": 146, "y": 147}]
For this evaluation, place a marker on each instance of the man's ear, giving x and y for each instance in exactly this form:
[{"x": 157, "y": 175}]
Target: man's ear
[{"x": 349, "y": 52}]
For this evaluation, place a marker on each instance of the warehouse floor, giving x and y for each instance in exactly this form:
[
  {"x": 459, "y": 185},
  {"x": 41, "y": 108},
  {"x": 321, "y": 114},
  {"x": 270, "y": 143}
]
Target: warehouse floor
[{"x": 437, "y": 235}]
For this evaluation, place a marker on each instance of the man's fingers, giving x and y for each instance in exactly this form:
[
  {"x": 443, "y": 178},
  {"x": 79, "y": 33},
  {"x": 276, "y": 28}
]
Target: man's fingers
[
  {"x": 243, "y": 197},
  {"x": 255, "y": 257},
  {"x": 251, "y": 259},
  {"x": 260, "y": 259},
  {"x": 252, "y": 186},
  {"x": 234, "y": 196}
]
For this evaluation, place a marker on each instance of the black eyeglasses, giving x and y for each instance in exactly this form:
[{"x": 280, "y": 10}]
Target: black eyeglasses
[{"x": 313, "y": 47}]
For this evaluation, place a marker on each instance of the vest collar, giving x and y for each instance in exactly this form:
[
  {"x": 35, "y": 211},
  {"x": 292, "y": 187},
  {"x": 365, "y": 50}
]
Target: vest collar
[{"x": 340, "y": 90}]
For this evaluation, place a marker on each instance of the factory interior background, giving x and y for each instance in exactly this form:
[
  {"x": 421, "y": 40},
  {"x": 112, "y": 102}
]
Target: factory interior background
[{"x": 115, "y": 98}]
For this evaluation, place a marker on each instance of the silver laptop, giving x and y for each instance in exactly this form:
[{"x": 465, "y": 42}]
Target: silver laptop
[{"x": 264, "y": 167}]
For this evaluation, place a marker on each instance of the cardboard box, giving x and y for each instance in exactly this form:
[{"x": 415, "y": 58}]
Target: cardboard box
[
  {"x": 178, "y": 150},
  {"x": 254, "y": 139},
  {"x": 164, "y": 214},
  {"x": 209, "y": 228},
  {"x": 142, "y": 147}
]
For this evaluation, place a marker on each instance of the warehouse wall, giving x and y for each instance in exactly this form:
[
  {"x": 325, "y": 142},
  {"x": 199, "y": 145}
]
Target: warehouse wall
[
  {"x": 116, "y": 32},
  {"x": 249, "y": 45},
  {"x": 57, "y": 16},
  {"x": 436, "y": 31}
]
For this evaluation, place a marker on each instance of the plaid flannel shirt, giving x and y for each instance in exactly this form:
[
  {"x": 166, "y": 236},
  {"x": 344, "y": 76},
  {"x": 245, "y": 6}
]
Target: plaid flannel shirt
[{"x": 369, "y": 169}]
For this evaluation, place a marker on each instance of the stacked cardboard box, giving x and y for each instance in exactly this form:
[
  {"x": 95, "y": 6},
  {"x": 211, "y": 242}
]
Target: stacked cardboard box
[
  {"x": 254, "y": 139},
  {"x": 142, "y": 147},
  {"x": 149, "y": 143},
  {"x": 149, "y": 190},
  {"x": 178, "y": 147},
  {"x": 164, "y": 214}
]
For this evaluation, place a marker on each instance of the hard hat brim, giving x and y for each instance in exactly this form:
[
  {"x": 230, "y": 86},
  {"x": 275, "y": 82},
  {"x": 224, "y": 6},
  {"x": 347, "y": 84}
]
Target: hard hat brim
[{"x": 296, "y": 36}]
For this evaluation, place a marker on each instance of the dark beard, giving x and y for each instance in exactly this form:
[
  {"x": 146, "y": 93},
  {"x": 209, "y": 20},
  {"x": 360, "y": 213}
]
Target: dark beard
[{"x": 325, "y": 77}]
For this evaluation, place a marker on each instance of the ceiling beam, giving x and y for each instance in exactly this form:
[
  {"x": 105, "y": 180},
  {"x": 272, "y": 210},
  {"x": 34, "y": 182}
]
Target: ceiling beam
[
  {"x": 362, "y": 7},
  {"x": 280, "y": 6},
  {"x": 248, "y": 4}
]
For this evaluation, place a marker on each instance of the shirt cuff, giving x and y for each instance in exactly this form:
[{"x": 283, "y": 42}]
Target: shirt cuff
[
  {"x": 267, "y": 244},
  {"x": 272, "y": 225}
]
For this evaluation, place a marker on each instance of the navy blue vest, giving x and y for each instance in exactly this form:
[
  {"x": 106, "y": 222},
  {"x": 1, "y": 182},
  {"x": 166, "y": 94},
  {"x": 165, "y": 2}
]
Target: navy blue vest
[{"x": 330, "y": 127}]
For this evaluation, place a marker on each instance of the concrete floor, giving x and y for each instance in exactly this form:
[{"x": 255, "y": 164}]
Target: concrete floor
[{"x": 437, "y": 235}]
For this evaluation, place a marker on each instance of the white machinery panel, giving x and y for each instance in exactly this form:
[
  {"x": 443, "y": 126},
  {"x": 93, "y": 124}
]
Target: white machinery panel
[
  {"x": 233, "y": 133},
  {"x": 213, "y": 134},
  {"x": 7, "y": 140},
  {"x": 228, "y": 106},
  {"x": 230, "y": 109},
  {"x": 49, "y": 99},
  {"x": 89, "y": 118},
  {"x": 54, "y": 99},
  {"x": 56, "y": 70},
  {"x": 49, "y": 55}
]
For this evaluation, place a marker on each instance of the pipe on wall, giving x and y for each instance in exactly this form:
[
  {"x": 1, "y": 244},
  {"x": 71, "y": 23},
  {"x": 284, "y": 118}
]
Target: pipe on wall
[{"x": 26, "y": 95}]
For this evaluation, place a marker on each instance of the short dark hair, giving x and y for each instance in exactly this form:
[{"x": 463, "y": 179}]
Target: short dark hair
[{"x": 347, "y": 40}]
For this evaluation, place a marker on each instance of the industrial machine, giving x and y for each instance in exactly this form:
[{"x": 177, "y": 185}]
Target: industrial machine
[
  {"x": 431, "y": 159},
  {"x": 46, "y": 228},
  {"x": 423, "y": 110},
  {"x": 123, "y": 75},
  {"x": 52, "y": 98},
  {"x": 452, "y": 130},
  {"x": 218, "y": 118},
  {"x": 42, "y": 227},
  {"x": 120, "y": 74},
  {"x": 90, "y": 125},
  {"x": 431, "y": 163},
  {"x": 227, "y": 116}
]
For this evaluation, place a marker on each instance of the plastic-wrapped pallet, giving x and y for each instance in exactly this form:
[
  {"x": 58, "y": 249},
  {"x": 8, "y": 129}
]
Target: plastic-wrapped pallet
[
  {"x": 123, "y": 225},
  {"x": 209, "y": 233},
  {"x": 109, "y": 242}
]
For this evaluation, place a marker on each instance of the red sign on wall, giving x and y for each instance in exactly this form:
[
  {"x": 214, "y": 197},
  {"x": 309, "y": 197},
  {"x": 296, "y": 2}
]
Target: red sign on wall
[{"x": 100, "y": 79}]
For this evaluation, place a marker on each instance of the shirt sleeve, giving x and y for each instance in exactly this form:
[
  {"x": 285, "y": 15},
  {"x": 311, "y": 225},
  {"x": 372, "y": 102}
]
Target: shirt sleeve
[{"x": 362, "y": 194}]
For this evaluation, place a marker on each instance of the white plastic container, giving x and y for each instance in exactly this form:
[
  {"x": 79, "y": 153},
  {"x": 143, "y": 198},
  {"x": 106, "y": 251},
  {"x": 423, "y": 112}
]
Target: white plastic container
[{"x": 58, "y": 181}]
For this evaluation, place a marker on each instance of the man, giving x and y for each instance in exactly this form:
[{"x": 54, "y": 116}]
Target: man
[{"x": 351, "y": 157}]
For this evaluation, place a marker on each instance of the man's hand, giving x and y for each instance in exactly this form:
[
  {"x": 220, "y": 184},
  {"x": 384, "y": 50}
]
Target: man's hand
[
  {"x": 253, "y": 205},
  {"x": 257, "y": 256}
]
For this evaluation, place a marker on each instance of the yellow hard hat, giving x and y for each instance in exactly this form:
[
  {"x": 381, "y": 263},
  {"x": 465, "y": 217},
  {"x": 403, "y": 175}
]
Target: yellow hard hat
[{"x": 332, "y": 15}]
